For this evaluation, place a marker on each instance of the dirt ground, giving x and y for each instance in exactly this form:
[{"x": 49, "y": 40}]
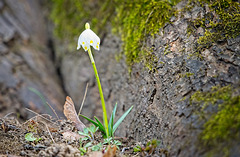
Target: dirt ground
[{"x": 58, "y": 138}]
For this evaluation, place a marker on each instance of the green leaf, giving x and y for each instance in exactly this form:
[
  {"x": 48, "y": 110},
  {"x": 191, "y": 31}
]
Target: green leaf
[
  {"x": 82, "y": 133},
  {"x": 110, "y": 124},
  {"x": 100, "y": 144},
  {"x": 147, "y": 148},
  {"x": 88, "y": 145},
  {"x": 30, "y": 137},
  {"x": 92, "y": 129},
  {"x": 137, "y": 149},
  {"x": 83, "y": 150},
  {"x": 148, "y": 143},
  {"x": 107, "y": 140},
  {"x": 39, "y": 139},
  {"x": 84, "y": 138},
  {"x": 95, "y": 148},
  {"x": 90, "y": 120},
  {"x": 101, "y": 127},
  {"x": 121, "y": 119},
  {"x": 85, "y": 130},
  {"x": 96, "y": 128},
  {"x": 117, "y": 143},
  {"x": 97, "y": 124}
]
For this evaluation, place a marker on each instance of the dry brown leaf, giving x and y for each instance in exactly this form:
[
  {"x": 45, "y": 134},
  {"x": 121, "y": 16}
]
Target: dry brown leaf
[
  {"x": 71, "y": 114},
  {"x": 111, "y": 151},
  {"x": 71, "y": 136},
  {"x": 4, "y": 127}
]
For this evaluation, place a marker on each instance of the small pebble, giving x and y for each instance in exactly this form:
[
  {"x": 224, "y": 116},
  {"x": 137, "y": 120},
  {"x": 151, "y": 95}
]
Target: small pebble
[
  {"x": 23, "y": 153},
  {"x": 47, "y": 142},
  {"x": 28, "y": 146}
]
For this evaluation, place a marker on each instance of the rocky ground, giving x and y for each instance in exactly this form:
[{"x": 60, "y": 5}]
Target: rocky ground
[{"x": 55, "y": 137}]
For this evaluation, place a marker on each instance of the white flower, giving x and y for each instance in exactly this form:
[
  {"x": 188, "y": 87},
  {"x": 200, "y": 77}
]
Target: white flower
[{"x": 88, "y": 38}]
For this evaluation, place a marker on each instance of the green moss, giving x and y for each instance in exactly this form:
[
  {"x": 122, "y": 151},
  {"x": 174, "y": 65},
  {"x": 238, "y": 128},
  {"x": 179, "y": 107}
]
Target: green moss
[
  {"x": 187, "y": 74},
  {"x": 70, "y": 16},
  {"x": 134, "y": 20},
  {"x": 222, "y": 127},
  {"x": 166, "y": 50},
  {"x": 221, "y": 23},
  {"x": 148, "y": 59}
]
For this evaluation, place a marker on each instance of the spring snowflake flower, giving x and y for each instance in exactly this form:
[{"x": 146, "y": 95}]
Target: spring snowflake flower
[{"x": 88, "y": 38}]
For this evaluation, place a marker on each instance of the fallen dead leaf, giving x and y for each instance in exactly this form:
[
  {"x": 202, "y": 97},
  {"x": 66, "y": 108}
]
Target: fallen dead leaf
[
  {"x": 71, "y": 114},
  {"x": 4, "y": 127},
  {"x": 111, "y": 151}
]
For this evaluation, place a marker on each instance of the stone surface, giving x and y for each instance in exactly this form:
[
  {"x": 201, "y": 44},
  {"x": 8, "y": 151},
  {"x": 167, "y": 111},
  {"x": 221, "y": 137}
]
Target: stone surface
[
  {"x": 25, "y": 61},
  {"x": 161, "y": 97}
]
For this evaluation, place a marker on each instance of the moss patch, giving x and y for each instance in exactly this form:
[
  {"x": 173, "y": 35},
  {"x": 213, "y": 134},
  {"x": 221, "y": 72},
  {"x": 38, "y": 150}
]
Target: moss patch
[
  {"x": 187, "y": 74},
  {"x": 223, "y": 126},
  {"x": 220, "y": 23},
  {"x": 70, "y": 16},
  {"x": 134, "y": 20}
]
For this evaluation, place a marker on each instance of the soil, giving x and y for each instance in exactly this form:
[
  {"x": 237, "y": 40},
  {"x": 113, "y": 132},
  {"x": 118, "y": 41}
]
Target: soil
[{"x": 54, "y": 140}]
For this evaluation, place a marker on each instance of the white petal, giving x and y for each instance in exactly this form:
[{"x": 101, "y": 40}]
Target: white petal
[
  {"x": 87, "y": 38},
  {"x": 86, "y": 47},
  {"x": 96, "y": 46},
  {"x": 93, "y": 39},
  {"x": 78, "y": 47}
]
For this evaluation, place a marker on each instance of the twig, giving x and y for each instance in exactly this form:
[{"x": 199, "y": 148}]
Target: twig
[
  {"x": 53, "y": 110},
  {"x": 41, "y": 122},
  {"x": 37, "y": 115},
  {"x": 136, "y": 155},
  {"x": 49, "y": 132},
  {"x": 8, "y": 114},
  {"x": 83, "y": 99}
]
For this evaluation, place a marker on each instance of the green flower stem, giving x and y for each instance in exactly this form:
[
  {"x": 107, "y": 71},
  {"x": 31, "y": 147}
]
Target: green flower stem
[{"x": 100, "y": 91}]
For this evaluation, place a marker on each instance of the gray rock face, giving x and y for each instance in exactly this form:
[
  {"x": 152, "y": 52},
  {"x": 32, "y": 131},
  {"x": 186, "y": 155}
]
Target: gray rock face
[
  {"x": 159, "y": 109},
  {"x": 161, "y": 97},
  {"x": 25, "y": 60}
]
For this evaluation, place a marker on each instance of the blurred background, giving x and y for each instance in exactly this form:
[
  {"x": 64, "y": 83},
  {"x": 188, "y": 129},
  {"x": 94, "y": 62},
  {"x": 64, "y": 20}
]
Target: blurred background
[
  {"x": 38, "y": 57},
  {"x": 38, "y": 51}
]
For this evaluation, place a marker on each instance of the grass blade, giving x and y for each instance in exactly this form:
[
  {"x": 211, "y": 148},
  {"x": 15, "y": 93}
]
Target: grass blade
[
  {"x": 90, "y": 120},
  {"x": 82, "y": 133},
  {"x": 101, "y": 127},
  {"x": 110, "y": 124},
  {"x": 121, "y": 119},
  {"x": 40, "y": 96}
]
